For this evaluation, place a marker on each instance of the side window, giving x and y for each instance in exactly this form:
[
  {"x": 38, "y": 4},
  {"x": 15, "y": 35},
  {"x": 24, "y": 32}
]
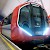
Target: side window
[{"x": 7, "y": 20}]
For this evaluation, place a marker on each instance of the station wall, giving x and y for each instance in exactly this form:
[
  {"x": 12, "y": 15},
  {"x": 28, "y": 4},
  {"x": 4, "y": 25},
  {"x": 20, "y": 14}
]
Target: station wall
[{"x": 11, "y": 4}]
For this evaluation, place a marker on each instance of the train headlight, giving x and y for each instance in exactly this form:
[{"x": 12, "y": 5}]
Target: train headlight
[{"x": 46, "y": 31}]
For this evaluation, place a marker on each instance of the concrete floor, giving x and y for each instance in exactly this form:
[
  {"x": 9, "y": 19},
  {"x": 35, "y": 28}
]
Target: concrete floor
[{"x": 3, "y": 46}]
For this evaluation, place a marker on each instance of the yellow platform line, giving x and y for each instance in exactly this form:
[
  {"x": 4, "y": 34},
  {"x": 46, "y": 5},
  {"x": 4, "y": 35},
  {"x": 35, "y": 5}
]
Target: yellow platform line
[{"x": 10, "y": 46}]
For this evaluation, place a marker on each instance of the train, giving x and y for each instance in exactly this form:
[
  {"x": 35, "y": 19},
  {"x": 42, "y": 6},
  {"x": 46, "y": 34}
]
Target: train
[{"x": 27, "y": 22}]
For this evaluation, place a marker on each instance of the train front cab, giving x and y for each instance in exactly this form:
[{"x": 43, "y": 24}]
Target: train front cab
[{"x": 28, "y": 22}]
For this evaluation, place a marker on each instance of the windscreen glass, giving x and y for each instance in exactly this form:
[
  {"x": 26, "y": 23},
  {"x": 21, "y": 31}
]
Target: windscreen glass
[{"x": 31, "y": 19}]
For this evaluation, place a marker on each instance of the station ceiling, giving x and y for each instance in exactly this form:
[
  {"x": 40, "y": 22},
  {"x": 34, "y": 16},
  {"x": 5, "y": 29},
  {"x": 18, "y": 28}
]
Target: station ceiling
[
  {"x": 7, "y": 6},
  {"x": 2, "y": 4}
]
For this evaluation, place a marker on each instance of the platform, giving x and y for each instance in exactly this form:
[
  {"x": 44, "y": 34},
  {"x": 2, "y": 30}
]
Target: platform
[{"x": 5, "y": 44}]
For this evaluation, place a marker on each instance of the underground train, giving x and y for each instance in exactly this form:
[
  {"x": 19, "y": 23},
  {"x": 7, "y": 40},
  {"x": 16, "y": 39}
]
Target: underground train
[{"x": 27, "y": 22}]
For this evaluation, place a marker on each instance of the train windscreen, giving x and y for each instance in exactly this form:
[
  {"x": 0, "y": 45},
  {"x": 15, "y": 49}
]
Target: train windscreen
[{"x": 32, "y": 19}]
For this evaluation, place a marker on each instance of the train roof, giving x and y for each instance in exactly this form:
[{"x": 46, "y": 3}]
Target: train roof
[{"x": 33, "y": 4}]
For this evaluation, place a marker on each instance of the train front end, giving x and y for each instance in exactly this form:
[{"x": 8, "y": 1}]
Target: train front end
[{"x": 29, "y": 22}]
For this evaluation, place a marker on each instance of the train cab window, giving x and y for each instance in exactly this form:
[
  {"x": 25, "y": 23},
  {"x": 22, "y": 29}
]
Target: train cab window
[
  {"x": 37, "y": 16},
  {"x": 31, "y": 18},
  {"x": 24, "y": 15}
]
